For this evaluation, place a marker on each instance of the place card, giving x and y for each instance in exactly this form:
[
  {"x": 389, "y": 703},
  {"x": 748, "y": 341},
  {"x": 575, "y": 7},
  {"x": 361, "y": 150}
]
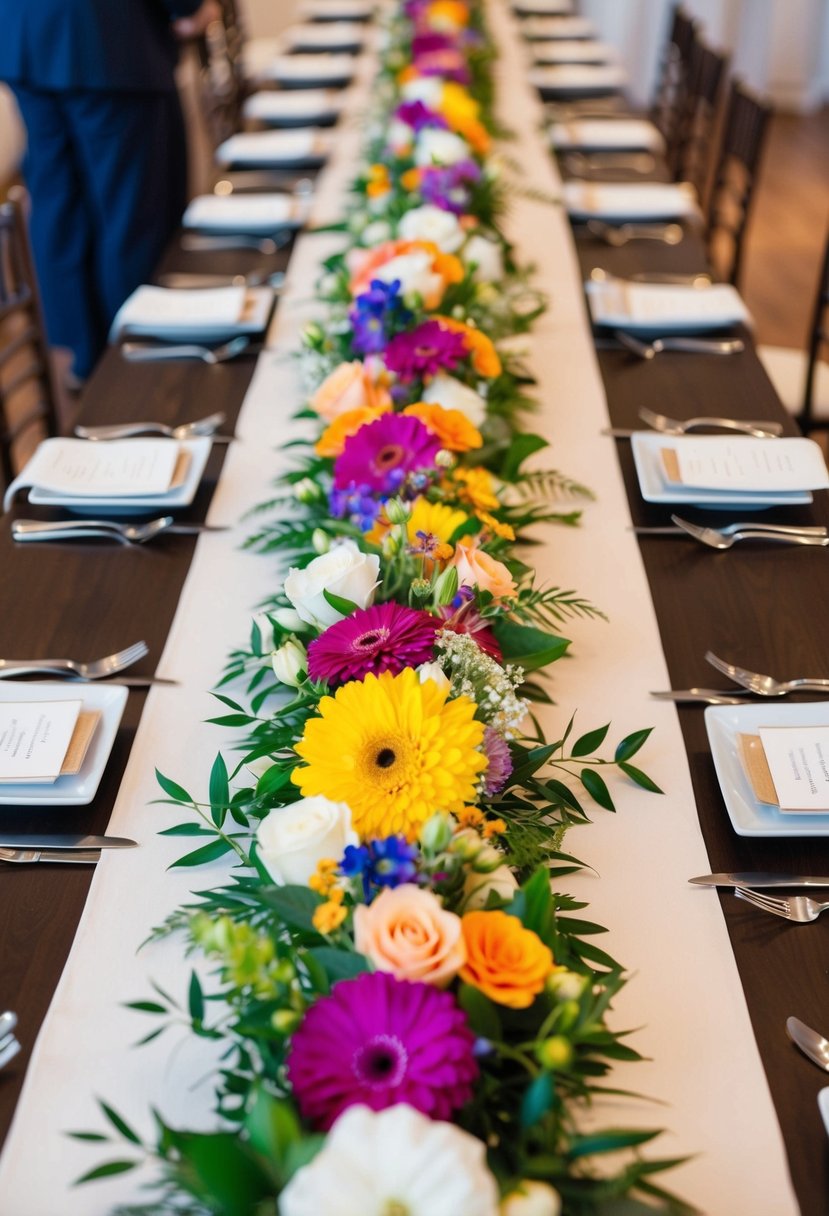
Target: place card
[
  {"x": 788, "y": 766},
  {"x": 745, "y": 465},
  {"x": 34, "y": 739},
  {"x": 120, "y": 468},
  {"x": 620, "y": 303}
]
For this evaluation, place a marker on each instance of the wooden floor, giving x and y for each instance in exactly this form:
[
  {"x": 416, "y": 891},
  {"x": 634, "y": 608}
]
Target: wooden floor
[{"x": 787, "y": 229}]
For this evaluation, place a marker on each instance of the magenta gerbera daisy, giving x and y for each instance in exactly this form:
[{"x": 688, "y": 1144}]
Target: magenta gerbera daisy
[
  {"x": 377, "y": 1041},
  {"x": 386, "y": 637},
  {"x": 424, "y": 351},
  {"x": 382, "y": 453}
]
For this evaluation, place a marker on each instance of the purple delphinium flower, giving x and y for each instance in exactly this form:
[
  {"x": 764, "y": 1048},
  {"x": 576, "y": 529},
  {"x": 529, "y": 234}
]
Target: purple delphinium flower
[
  {"x": 357, "y": 504},
  {"x": 376, "y": 314},
  {"x": 377, "y": 1041},
  {"x": 424, "y": 351},
  {"x": 381, "y": 863},
  {"x": 417, "y": 115},
  {"x": 383, "y": 452},
  {"x": 385, "y": 637},
  {"x": 496, "y": 750},
  {"x": 448, "y": 186}
]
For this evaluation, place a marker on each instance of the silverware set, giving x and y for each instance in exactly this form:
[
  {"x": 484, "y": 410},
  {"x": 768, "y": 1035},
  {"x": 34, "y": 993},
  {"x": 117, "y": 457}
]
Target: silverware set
[
  {"x": 187, "y": 430},
  {"x": 688, "y": 346},
  {"x": 618, "y": 235},
  {"x": 751, "y": 683},
  {"x": 152, "y": 352},
  {"x": 27, "y": 531},
  {"x": 95, "y": 669},
  {"x": 9, "y": 1046},
  {"x": 678, "y": 426},
  {"x": 64, "y": 847}
]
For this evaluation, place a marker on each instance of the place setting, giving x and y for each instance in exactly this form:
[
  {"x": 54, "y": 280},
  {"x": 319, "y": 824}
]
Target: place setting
[
  {"x": 577, "y": 79},
  {"x": 293, "y": 107},
  {"x": 572, "y": 50},
  {"x": 344, "y": 37},
  {"x": 321, "y": 11},
  {"x": 302, "y": 148},
  {"x": 546, "y": 28},
  {"x": 308, "y": 71}
]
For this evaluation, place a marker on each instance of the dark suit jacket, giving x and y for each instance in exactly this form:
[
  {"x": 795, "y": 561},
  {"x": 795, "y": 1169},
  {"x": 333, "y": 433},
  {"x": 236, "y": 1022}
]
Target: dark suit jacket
[{"x": 90, "y": 44}]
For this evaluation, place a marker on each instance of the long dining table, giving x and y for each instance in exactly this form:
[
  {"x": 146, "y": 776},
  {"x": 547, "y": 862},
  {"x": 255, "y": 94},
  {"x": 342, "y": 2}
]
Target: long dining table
[{"x": 712, "y": 980}]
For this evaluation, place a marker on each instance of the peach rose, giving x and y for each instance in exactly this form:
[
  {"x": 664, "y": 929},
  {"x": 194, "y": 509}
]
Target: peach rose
[
  {"x": 477, "y": 569},
  {"x": 349, "y": 387},
  {"x": 407, "y": 932},
  {"x": 508, "y": 963}
]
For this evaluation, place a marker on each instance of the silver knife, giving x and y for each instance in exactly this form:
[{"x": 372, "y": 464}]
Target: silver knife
[
  {"x": 809, "y": 1041},
  {"x": 72, "y": 856},
  {"x": 180, "y": 280},
  {"x": 63, "y": 840},
  {"x": 760, "y": 879}
]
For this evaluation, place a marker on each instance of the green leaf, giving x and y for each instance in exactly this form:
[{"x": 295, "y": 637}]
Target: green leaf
[
  {"x": 609, "y": 1141},
  {"x": 146, "y": 1007},
  {"x": 219, "y": 790},
  {"x": 589, "y": 743},
  {"x": 186, "y": 829},
  {"x": 343, "y": 606},
  {"x": 527, "y": 646},
  {"x": 92, "y": 1137},
  {"x": 537, "y": 1100},
  {"x": 195, "y": 998},
  {"x": 484, "y": 1018},
  {"x": 273, "y": 1127},
  {"x": 272, "y": 780},
  {"x": 224, "y": 1172},
  {"x": 631, "y": 743},
  {"x": 519, "y": 449},
  {"x": 293, "y": 905},
  {"x": 200, "y": 857},
  {"x": 170, "y": 787},
  {"x": 120, "y": 1125},
  {"x": 533, "y": 905},
  {"x": 338, "y": 964},
  {"x": 596, "y": 788},
  {"x": 231, "y": 720},
  {"x": 639, "y": 777},
  {"x": 106, "y": 1171}
]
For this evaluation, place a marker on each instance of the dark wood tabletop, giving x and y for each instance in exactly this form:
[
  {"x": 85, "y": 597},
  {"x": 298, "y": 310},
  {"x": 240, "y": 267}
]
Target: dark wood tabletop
[{"x": 762, "y": 606}]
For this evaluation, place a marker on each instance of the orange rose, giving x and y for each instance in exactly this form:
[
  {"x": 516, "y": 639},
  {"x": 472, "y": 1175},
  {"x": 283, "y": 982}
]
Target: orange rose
[
  {"x": 485, "y": 357},
  {"x": 332, "y": 440},
  {"x": 507, "y": 962},
  {"x": 477, "y": 569},
  {"x": 407, "y": 932},
  {"x": 454, "y": 430},
  {"x": 349, "y": 387}
]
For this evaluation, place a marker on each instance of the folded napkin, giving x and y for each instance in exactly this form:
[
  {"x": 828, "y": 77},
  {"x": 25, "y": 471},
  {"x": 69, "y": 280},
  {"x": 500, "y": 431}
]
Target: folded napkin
[
  {"x": 595, "y": 134},
  {"x": 558, "y": 27},
  {"x": 342, "y": 10},
  {"x": 567, "y": 77},
  {"x": 257, "y": 213},
  {"x": 629, "y": 200},
  {"x": 293, "y": 106},
  {"x": 567, "y": 50},
  {"x": 326, "y": 35},
  {"x": 296, "y": 68},
  {"x": 306, "y": 144}
]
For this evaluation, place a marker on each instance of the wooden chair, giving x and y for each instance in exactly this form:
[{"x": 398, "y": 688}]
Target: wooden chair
[
  {"x": 729, "y": 205},
  {"x": 692, "y": 152},
  {"x": 221, "y": 80},
  {"x": 801, "y": 377},
  {"x": 28, "y": 393},
  {"x": 671, "y": 89}
]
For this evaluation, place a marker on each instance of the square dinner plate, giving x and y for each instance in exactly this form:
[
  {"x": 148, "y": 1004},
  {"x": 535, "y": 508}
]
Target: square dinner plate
[
  {"x": 748, "y": 816},
  {"x": 310, "y": 71},
  {"x": 299, "y": 148},
  {"x": 571, "y": 79},
  {"x": 619, "y": 202},
  {"x": 646, "y": 446},
  {"x": 664, "y": 308},
  {"x": 74, "y": 789},
  {"x": 294, "y": 108},
  {"x": 181, "y": 496},
  {"x": 258, "y": 214}
]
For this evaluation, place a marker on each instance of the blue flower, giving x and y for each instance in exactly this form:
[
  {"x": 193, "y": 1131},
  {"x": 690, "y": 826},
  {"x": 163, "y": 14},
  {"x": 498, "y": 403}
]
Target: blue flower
[
  {"x": 381, "y": 863},
  {"x": 376, "y": 315}
]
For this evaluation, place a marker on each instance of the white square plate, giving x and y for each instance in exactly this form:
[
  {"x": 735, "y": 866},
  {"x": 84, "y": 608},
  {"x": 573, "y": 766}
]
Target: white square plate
[
  {"x": 327, "y": 36},
  {"x": 182, "y": 314},
  {"x": 74, "y": 789},
  {"x": 538, "y": 28},
  {"x": 823, "y": 1106},
  {"x": 171, "y": 500},
  {"x": 259, "y": 214},
  {"x": 618, "y": 202},
  {"x": 664, "y": 308},
  {"x": 337, "y": 10},
  {"x": 607, "y": 135},
  {"x": 309, "y": 71},
  {"x": 542, "y": 8},
  {"x": 646, "y": 447},
  {"x": 295, "y": 108},
  {"x": 567, "y": 50},
  {"x": 562, "y": 79},
  {"x": 748, "y": 816},
  {"x": 303, "y": 147}
]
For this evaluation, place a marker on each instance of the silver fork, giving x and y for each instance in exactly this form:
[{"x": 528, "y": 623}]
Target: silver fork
[
  {"x": 676, "y": 426},
  {"x": 724, "y": 538},
  {"x": 618, "y": 235},
  {"x": 151, "y": 352},
  {"x": 187, "y": 430},
  {"x": 798, "y": 908},
  {"x": 192, "y": 242},
  {"x": 9, "y": 1046},
  {"x": 28, "y": 530},
  {"x": 96, "y": 669},
  {"x": 690, "y": 346},
  {"x": 766, "y": 686}
]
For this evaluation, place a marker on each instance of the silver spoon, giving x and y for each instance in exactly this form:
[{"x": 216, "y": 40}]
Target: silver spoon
[
  {"x": 809, "y": 1041},
  {"x": 27, "y": 530},
  {"x": 193, "y": 242},
  {"x": 618, "y": 235},
  {"x": 187, "y": 430},
  {"x": 151, "y": 352},
  {"x": 691, "y": 346},
  {"x": 257, "y": 278},
  {"x": 702, "y": 280}
]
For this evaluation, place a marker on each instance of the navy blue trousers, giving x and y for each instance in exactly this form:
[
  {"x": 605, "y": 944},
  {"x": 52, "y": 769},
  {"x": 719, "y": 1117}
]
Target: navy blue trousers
[{"x": 107, "y": 173}]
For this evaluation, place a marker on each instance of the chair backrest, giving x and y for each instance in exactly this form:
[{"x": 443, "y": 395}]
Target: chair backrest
[
  {"x": 743, "y": 138},
  {"x": 221, "y": 76},
  {"x": 692, "y": 153},
  {"x": 818, "y": 336},
  {"x": 27, "y": 388},
  {"x": 673, "y": 77}
]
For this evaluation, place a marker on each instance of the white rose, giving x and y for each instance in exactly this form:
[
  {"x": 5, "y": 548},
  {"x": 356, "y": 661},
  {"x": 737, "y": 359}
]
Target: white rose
[
  {"x": 292, "y": 839},
  {"x": 477, "y": 887},
  {"x": 434, "y": 672},
  {"x": 435, "y": 146},
  {"x": 428, "y": 89},
  {"x": 486, "y": 256},
  {"x": 288, "y": 618},
  {"x": 532, "y": 1199},
  {"x": 433, "y": 224},
  {"x": 399, "y": 138},
  {"x": 414, "y": 271},
  {"x": 375, "y": 233},
  {"x": 290, "y": 663},
  {"x": 344, "y": 571},
  {"x": 452, "y": 394}
]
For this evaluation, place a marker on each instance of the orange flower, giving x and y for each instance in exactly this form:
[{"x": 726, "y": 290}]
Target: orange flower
[
  {"x": 332, "y": 440},
  {"x": 379, "y": 182},
  {"x": 477, "y": 569},
  {"x": 475, "y": 487},
  {"x": 454, "y": 430},
  {"x": 410, "y": 180},
  {"x": 367, "y": 263},
  {"x": 485, "y": 358},
  {"x": 349, "y": 387},
  {"x": 505, "y": 531},
  {"x": 447, "y": 14},
  {"x": 507, "y": 962}
]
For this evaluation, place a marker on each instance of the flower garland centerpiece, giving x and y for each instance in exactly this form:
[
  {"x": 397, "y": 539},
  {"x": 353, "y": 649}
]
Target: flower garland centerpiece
[{"x": 413, "y": 1015}]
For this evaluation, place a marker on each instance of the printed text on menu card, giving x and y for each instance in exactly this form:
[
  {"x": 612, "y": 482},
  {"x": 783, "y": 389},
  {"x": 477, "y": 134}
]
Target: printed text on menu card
[
  {"x": 34, "y": 739},
  {"x": 798, "y": 759},
  {"x": 747, "y": 464}
]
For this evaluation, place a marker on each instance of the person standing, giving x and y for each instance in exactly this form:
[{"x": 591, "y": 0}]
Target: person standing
[{"x": 106, "y": 162}]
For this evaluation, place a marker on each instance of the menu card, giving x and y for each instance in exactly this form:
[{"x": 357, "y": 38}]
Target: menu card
[
  {"x": 745, "y": 465},
  {"x": 120, "y": 468},
  {"x": 171, "y": 308},
  {"x": 35, "y": 738},
  {"x": 797, "y": 763},
  {"x": 242, "y": 212},
  {"x": 619, "y": 301}
]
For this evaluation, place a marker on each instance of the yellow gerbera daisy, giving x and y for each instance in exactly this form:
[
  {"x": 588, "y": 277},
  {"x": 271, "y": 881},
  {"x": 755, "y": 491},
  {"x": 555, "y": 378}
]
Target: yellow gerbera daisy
[
  {"x": 475, "y": 486},
  {"x": 395, "y": 750},
  {"x": 435, "y": 518}
]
